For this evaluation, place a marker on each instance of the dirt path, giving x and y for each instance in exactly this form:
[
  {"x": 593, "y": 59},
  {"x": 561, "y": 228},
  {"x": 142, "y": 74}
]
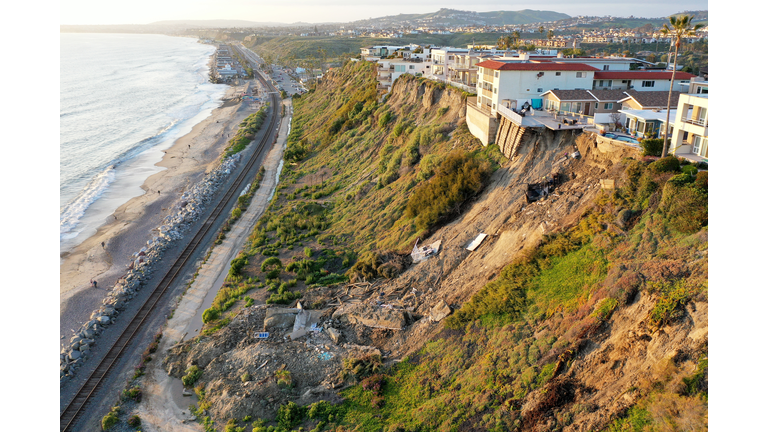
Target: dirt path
[{"x": 163, "y": 408}]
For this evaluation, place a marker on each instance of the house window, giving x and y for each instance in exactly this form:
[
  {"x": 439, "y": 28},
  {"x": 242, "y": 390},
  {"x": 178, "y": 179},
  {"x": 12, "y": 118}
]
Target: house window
[
  {"x": 496, "y": 74},
  {"x": 540, "y": 90},
  {"x": 605, "y": 67},
  {"x": 608, "y": 106},
  {"x": 696, "y": 144},
  {"x": 702, "y": 90},
  {"x": 596, "y": 105},
  {"x": 579, "y": 74},
  {"x": 494, "y": 90},
  {"x": 411, "y": 67},
  {"x": 648, "y": 83},
  {"x": 557, "y": 73}
]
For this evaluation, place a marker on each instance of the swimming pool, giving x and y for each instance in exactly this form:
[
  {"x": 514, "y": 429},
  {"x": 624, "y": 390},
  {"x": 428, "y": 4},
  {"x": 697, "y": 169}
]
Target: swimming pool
[{"x": 622, "y": 138}]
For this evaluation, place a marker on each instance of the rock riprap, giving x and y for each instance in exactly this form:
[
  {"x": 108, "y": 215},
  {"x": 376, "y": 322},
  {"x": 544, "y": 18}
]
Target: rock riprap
[{"x": 142, "y": 267}]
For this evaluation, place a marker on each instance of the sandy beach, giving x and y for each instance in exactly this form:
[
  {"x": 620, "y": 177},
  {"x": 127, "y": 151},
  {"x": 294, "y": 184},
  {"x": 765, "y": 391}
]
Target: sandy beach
[{"x": 129, "y": 228}]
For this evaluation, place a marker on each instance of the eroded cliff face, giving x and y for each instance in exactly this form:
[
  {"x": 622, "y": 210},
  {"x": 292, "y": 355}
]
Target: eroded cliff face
[{"x": 603, "y": 369}]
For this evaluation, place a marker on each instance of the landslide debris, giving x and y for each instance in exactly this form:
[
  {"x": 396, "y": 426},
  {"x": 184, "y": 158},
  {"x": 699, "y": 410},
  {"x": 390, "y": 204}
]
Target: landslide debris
[{"x": 607, "y": 326}]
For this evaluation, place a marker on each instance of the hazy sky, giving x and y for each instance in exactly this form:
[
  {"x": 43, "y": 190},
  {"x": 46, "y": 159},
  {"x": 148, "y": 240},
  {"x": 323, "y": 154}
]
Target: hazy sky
[{"x": 316, "y": 11}]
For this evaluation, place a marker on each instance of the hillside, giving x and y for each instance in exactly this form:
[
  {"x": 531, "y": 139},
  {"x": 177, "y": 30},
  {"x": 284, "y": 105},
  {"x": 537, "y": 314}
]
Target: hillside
[
  {"x": 583, "y": 310},
  {"x": 459, "y": 17}
]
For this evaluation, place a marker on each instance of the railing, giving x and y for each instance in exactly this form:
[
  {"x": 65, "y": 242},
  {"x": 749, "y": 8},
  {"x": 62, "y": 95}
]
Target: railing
[
  {"x": 508, "y": 113},
  {"x": 697, "y": 122}
]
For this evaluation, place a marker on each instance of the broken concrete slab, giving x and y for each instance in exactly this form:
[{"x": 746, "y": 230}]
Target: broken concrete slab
[
  {"x": 304, "y": 321},
  {"x": 280, "y": 318},
  {"x": 371, "y": 316}
]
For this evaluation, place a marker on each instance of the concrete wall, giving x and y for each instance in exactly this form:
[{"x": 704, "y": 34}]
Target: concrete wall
[{"x": 480, "y": 124}]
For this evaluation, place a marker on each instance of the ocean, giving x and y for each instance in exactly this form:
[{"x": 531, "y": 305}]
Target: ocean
[{"x": 124, "y": 98}]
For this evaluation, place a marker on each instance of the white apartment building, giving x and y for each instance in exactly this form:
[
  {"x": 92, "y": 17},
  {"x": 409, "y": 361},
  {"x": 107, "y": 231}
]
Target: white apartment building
[
  {"x": 389, "y": 70},
  {"x": 513, "y": 81},
  {"x": 690, "y": 137}
]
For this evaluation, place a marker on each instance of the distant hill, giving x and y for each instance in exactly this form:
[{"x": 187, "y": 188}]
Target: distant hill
[
  {"x": 459, "y": 17},
  {"x": 221, "y": 23}
]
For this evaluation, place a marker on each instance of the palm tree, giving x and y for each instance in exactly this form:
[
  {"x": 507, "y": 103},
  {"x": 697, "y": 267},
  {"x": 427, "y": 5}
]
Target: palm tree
[
  {"x": 550, "y": 34},
  {"x": 515, "y": 36},
  {"x": 681, "y": 27},
  {"x": 541, "y": 30}
]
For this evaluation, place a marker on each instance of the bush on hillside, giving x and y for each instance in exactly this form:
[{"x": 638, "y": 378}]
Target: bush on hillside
[
  {"x": 702, "y": 180},
  {"x": 665, "y": 164},
  {"x": 685, "y": 207},
  {"x": 459, "y": 177},
  {"x": 652, "y": 147}
]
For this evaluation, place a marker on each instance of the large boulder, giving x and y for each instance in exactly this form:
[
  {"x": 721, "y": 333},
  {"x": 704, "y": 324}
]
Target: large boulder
[{"x": 439, "y": 311}]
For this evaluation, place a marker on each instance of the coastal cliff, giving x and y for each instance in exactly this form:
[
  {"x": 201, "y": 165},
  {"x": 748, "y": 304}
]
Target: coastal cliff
[{"x": 584, "y": 306}]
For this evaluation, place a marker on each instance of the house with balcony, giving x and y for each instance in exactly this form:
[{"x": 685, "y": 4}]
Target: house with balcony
[
  {"x": 601, "y": 105},
  {"x": 388, "y": 70},
  {"x": 690, "y": 138},
  {"x": 644, "y": 113},
  {"x": 513, "y": 81},
  {"x": 640, "y": 80}
]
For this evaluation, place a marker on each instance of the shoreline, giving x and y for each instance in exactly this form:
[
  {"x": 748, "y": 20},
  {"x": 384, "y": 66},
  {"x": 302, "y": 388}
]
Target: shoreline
[{"x": 185, "y": 162}]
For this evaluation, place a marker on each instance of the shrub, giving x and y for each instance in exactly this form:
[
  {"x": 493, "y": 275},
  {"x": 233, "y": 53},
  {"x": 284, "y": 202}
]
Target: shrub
[
  {"x": 685, "y": 207},
  {"x": 236, "y": 267},
  {"x": 384, "y": 119},
  {"x": 702, "y": 180},
  {"x": 680, "y": 179},
  {"x": 605, "y": 308},
  {"x": 110, "y": 419},
  {"x": 308, "y": 252},
  {"x": 133, "y": 393},
  {"x": 665, "y": 164},
  {"x": 271, "y": 263},
  {"x": 193, "y": 373},
  {"x": 652, "y": 147},
  {"x": 689, "y": 169},
  {"x": 134, "y": 421},
  {"x": 360, "y": 367},
  {"x": 289, "y": 415},
  {"x": 245, "y": 377},
  {"x": 284, "y": 378},
  {"x": 211, "y": 314}
]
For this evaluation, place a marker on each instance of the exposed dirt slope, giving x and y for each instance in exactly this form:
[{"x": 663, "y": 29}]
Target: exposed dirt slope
[{"x": 607, "y": 368}]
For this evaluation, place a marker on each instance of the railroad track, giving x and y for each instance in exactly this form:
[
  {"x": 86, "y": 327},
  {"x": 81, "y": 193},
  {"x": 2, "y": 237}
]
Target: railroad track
[{"x": 77, "y": 406}]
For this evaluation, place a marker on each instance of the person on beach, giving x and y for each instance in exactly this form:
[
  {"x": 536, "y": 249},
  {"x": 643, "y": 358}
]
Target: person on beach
[
  {"x": 102, "y": 244},
  {"x": 94, "y": 284}
]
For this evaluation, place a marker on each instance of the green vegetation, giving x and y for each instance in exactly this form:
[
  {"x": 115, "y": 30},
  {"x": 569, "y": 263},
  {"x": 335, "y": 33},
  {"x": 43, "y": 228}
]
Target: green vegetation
[
  {"x": 192, "y": 374},
  {"x": 247, "y": 131},
  {"x": 111, "y": 418}
]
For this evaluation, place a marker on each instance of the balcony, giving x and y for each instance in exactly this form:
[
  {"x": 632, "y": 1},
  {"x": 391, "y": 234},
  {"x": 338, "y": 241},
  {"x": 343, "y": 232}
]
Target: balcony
[{"x": 695, "y": 121}]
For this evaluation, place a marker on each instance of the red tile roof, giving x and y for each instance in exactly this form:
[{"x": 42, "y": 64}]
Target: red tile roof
[
  {"x": 497, "y": 65},
  {"x": 651, "y": 75}
]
